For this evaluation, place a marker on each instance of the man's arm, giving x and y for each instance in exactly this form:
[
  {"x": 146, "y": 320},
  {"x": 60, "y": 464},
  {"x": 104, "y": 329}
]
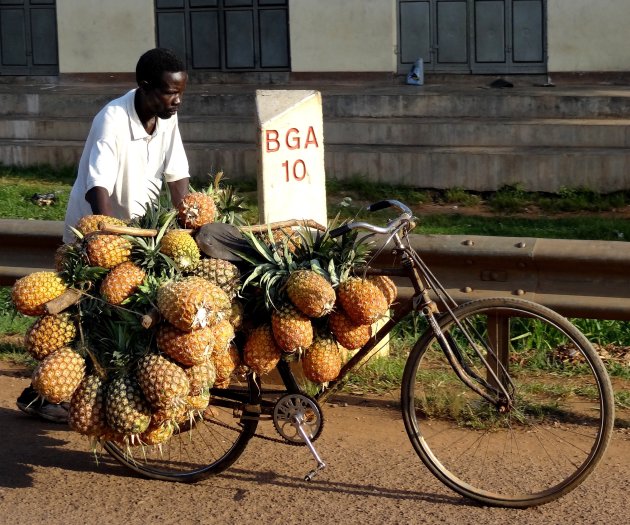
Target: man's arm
[
  {"x": 99, "y": 201},
  {"x": 178, "y": 190}
]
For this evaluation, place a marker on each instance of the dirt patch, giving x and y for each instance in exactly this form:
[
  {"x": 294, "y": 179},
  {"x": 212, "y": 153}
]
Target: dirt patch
[{"x": 48, "y": 474}]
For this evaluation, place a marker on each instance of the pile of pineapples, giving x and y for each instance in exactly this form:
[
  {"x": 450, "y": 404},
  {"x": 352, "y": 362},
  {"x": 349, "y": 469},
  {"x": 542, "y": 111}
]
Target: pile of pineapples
[{"x": 151, "y": 322}]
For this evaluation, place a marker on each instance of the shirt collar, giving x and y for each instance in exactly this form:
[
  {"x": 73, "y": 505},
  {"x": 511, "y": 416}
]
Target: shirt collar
[{"x": 137, "y": 129}]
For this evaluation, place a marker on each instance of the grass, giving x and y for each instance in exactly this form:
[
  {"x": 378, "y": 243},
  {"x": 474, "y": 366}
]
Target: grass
[{"x": 18, "y": 185}]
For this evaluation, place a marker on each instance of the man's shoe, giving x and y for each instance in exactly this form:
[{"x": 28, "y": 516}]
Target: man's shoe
[{"x": 45, "y": 410}]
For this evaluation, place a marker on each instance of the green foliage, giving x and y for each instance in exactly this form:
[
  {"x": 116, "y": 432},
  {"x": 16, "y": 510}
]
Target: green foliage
[
  {"x": 509, "y": 199},
  {"x": 360, "y": 188},
  {"x": 594, "y": 228},
  {"x": 460, "y": 196},
  {"x": 18, "y": 185}
]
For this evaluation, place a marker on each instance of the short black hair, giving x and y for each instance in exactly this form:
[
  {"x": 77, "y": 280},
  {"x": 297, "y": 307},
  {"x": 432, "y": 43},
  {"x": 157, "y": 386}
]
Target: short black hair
[{"x": 154, "y": 63}]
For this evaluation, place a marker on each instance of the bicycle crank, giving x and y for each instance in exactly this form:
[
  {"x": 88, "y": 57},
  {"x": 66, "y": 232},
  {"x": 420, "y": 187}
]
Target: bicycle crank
[{"x": 298, "y": 419}]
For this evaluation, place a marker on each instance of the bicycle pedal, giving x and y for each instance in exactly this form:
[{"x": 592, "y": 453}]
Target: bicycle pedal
[{"x": 314, "y": 472}]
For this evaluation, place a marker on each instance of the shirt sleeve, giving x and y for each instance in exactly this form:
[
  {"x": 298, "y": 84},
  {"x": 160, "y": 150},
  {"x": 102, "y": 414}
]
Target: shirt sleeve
[
  {"x": 176, "y": 163},
  {"x": 103, "y": 165}
]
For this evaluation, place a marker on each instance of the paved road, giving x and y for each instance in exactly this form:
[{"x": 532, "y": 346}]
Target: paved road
[{"x": 48, "y": 475}]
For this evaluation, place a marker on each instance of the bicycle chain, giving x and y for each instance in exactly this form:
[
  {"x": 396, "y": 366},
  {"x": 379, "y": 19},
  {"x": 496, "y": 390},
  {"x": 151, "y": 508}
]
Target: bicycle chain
[{"x": 264, "y": 438}]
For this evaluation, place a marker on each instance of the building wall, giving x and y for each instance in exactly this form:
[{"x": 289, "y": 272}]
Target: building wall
[
  {"x": 103, "y": 37},
  {"x": 588, "y": 35},
  {"x": 348, "y": 35},
  {"x": 333, "y": 36}
]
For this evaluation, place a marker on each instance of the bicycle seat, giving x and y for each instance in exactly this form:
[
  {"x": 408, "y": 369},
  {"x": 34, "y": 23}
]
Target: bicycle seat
[{"x": 223, "y": 241}]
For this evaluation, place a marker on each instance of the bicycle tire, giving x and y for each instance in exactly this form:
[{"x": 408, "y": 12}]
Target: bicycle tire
[
  {"x": 539, "y": 449},
  {"x": 203, "y": 447}
]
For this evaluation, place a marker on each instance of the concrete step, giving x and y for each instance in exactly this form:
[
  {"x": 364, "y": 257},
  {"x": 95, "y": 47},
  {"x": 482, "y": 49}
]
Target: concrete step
[
  {"x": 395, "y": 131},
  {"x": 474, "y": 168},
  {"x": 342, "y": 101}
]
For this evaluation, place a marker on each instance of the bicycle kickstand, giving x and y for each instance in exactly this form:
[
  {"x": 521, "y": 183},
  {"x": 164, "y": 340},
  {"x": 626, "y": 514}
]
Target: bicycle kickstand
[{"x": 297, "y": 422}]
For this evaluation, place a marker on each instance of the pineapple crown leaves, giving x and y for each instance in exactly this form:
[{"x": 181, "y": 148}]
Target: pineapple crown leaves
[
  {"x": 145, "y": 252},
  {"x": 270, "y": 269},
  {"x": 118, "y": 340},
  {"x": 156, "y": 212},
  {"x": 75, "y": 269},
  {"x": 145, "y": 297}
]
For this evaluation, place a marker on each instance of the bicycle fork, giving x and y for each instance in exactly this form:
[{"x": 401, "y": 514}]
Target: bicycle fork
[{"x": 499, "y": 397}]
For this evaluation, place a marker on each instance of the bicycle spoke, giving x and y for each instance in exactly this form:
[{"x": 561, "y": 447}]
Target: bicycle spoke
[{"x": 548, "y": 435}]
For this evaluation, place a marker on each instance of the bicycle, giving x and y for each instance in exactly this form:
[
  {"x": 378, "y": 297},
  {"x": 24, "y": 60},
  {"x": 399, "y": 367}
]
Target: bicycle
[{"x": 478, "y": 413}]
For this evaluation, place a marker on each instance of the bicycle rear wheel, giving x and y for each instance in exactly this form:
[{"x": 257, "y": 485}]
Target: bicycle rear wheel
[
  {"x": 542, "y": 445},
  {"x": 204, "y": 446}
]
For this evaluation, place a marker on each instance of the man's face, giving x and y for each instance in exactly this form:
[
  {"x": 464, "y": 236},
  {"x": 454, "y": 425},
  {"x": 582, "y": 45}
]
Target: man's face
[{"x": 164, "y": 100}]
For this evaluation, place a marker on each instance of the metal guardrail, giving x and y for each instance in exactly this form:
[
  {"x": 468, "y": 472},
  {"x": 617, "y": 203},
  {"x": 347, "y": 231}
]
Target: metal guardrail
[{"x": 588, "y": 279}]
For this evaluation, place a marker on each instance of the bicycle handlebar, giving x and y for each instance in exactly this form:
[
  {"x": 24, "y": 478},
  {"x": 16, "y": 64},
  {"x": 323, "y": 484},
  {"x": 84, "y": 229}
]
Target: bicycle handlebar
[{"x": 405, "y": 216}]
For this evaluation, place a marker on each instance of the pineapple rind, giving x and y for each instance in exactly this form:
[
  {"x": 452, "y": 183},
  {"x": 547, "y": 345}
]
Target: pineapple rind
[
  {"x": 58, "y": 375},
  {"x": 31, "y": 292},
  {"x": 49, "y": 333}
]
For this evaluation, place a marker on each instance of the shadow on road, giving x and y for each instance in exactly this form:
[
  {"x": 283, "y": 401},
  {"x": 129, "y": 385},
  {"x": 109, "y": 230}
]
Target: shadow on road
[
  {"x": 354, "y": 489},
  {"x": 29, "y": 443}
]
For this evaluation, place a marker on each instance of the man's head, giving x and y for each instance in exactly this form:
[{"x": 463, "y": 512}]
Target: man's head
[
  {"x": 161, "y": 78},
  {"x": 154, "y": 63}
]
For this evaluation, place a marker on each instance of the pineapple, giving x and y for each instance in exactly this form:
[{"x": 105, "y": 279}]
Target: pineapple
[
  {"x": 261, "y": 353},
  {"x": 222, "y": 273},
  {"x": 386, "y": 286},
  {"x": 157, "y": 434},
  {"x": 278, "y": 239},
  {"x": 311, "y": 293},
  {"x": 192, "y": 303},
  {"x": 87, "y": 407},
  {"x": 322, "y": 361},
  {"x": 292, "y": 330},
  {"x": 195, "y": 210},
  {"x": 90, "y": 223},
  {"x": 180, "y": 246},
  {"x": 201, "y": 378},
  {"x": 225, "y": 363},
  {"x": 347, "y": 333},
  {"x": 162, "y": 381},
  {"x": 172, "y": 416},
  {"x": 122, "y": 282},
  {"x": 126, "y": 409},
  {"x": 223, "y": 333},
  {"x": 107, "y": 251},
  {"x": 187, "y": 348},
  {"x": 58, "y": 375},
  {"x": 362, "y": 301},
  {"x": 49, "y": 333},
  {"x": 237, "y": 311},
  {"x": 198, "y": 403},
  {"x": 31, "y": 293}
]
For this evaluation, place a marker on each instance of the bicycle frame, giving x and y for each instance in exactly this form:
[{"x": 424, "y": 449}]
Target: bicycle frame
[{"x": 424, "y": 285}]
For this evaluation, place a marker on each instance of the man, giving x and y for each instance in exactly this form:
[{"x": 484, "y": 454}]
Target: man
[{"x": 133, "y": 144}]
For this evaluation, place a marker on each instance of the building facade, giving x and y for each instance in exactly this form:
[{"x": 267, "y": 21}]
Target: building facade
[{"x": 57, "y": 37}]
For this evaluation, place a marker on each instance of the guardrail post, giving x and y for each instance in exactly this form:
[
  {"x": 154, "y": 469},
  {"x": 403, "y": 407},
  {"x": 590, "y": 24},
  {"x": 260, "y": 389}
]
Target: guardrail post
[{"x": 499, "y": 338}]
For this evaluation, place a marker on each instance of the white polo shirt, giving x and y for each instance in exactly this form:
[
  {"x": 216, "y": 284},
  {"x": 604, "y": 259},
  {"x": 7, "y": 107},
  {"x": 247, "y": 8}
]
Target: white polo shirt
[{"x": 120, "y": 156}]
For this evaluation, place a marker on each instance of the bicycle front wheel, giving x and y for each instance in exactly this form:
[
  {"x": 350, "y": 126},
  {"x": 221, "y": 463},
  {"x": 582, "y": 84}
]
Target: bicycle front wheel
[
  {"x": 553, "y": 426},
  {"x": 206, "y": 445}
]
